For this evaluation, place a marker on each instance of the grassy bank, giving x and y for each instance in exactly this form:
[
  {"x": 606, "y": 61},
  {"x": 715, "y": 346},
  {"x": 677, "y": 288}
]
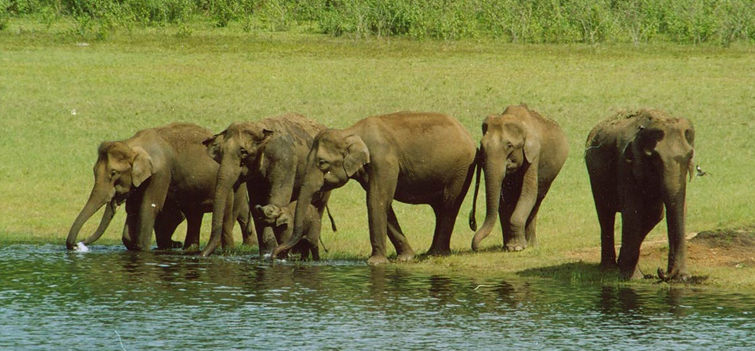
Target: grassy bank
[
  {"x": 519, "y": 21},
  {"x": 61, "y": 96}
]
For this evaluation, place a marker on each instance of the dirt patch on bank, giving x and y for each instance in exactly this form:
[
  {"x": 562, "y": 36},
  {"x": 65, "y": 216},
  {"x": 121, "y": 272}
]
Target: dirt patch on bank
[{"x": 733, "y": 248}]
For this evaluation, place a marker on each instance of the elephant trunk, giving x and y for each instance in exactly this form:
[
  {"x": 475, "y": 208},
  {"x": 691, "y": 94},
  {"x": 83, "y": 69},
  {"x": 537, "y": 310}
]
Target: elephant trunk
[
  {"x": 112, "y": 206},
  {"x": 228, "y": 175},
  {"x": 495, "y": 172},
  {"x": 674, "y": 190},
  {"x": 473, "y": 212},
  {"x": 97, "y": 199},
  {"x": 311, "y": 186}
]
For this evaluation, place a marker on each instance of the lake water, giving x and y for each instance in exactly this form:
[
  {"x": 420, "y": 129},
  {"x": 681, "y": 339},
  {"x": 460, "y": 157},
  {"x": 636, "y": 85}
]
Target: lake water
[{"x": 110, "y": 299}]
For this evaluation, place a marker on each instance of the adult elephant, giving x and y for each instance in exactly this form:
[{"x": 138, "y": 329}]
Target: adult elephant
[
  {"x": 521, "y": 153},
  {"x": 412, "y": 157},
  {"x": 271, "y": 156},
  {"x": 638, "y": 164},
  {"x": 165, "y": 176}
]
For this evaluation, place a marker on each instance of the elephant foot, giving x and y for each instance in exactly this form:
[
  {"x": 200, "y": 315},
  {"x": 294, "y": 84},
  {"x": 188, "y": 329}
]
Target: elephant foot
[
  {"x": 250, "y": 242},
  {"x": 438, "y": 252},
  {"x": 192, "y": 248},
  {"x": 376, "y": 260},
  {"x": 673, "y": 277},
  {"x": 405, "y": 257},
  {"x": 635, "y": 274},
  {"x": 514, "y": 248},
  {"x": 608, "y": 265}
]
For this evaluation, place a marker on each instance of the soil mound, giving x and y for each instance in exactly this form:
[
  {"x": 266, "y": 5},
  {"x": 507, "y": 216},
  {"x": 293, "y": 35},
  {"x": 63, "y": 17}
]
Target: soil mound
[{"x": 727, "y": 238}]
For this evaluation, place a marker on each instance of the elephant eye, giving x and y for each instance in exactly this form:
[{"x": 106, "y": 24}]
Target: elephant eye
[
  {"x": 322, "y": 164},
  {"x": 113, "y": 173},
  {"x": 243, "y": 153}
]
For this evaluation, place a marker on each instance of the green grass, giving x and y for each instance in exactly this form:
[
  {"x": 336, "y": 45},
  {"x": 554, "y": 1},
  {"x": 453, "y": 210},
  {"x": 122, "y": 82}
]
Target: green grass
[{"x": 150, "y": 77}]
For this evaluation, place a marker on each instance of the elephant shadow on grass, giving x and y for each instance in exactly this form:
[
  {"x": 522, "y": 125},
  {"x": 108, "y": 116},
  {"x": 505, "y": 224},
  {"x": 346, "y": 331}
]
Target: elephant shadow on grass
[{"x": 591, "y": 273}]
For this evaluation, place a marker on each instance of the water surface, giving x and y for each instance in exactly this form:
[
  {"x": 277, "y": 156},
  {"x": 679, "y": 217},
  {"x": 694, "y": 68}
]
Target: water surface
[{"x": 111, "y": 299}]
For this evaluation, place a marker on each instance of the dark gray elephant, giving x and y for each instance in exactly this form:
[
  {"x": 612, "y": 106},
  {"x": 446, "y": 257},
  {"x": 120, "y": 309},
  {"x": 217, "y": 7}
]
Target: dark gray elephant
[
  {"x": 521, "y": 153},
  {"x": 270, "y": 155},
  {"x": 412, "y": 157},
  {"x": 638, "y": 164},
  {"x": 282, "y": 218},
  {"x": 165, "y": 176}
]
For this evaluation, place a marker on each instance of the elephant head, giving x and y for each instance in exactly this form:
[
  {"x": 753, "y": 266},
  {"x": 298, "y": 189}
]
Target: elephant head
[
  {"x": 238, "y": 150},
  {"x": 509, "y": 143},
  {"x": 335, "y": 157},
  {"x": 659, "y": 159},
  {"x": 661, "y": 150},
  {"x": 274, "y": 215},
  {"x": 119, "y": 169}
]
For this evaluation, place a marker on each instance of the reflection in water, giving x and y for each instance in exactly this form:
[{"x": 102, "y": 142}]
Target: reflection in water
[{"x": 52, "y": 299}]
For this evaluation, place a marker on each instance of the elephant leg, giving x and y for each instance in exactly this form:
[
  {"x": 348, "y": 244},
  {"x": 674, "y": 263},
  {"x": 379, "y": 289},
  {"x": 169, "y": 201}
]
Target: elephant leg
[
  {"x": 637, "y": 221},
  {"x": 193, "y": 228},
  {"x": 530, "y": 230},
  {"x": 445, "y": 218},
  {"x": 446, "y": 210},
  {"x": 248, "y": 234},
  {"x": 505, "y": 211},
  {"x": 607, "y": 220},
  {"x": 404, "y": 251},
  {"x": 265, "y": 237},
  {"x": 165, "y": 225},
  {"x": 380, "y": 192},
  {"x": 153, "y": 201},
  {"x": 524, "y": 205}
]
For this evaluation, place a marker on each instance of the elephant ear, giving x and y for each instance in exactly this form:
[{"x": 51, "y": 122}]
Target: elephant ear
[
  {"x": 532, "y": 144},
  {"x": 141, "y": 166},
  {"x": 213, "y": 146},
  {"x": 357, "y": 154},
  {"x": 284, "y": 219}
]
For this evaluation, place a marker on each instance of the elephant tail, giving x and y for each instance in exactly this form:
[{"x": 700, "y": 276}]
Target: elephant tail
[
  {"x": 478, "y": 166},
  {"x": 332, "y": 222}
]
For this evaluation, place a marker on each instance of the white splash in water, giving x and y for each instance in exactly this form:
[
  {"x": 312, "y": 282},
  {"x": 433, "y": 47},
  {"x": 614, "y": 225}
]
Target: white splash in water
[{"x": 80, "y": 247}]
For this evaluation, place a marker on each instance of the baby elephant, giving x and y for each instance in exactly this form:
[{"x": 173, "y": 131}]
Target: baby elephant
[{"x": 282, "y": 219}]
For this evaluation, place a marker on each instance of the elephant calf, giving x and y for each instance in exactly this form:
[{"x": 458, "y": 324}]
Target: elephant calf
[
  {"x": 521, "y": 153},
  {"x": 638, "y": 164},
  {"x": 282, "y": 218}
]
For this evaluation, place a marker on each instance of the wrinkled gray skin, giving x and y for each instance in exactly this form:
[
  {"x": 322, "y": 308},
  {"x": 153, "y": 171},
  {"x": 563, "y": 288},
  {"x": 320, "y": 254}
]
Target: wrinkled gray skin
[
  {"x": 271, "y": 156},
  {"x": 165, "y": 176},
  {"x": 521, "y": 153},
  {"x": 412, "y": 157},
  {"x": 638, "y": 164},
  {"x": 282, "y": 218}
]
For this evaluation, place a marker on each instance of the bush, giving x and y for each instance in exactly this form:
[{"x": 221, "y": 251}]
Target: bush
[{"x": 522, "y": 21}]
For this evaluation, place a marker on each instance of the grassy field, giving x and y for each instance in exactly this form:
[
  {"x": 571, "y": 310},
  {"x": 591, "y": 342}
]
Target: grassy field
[{"x": 60, "y": 97}]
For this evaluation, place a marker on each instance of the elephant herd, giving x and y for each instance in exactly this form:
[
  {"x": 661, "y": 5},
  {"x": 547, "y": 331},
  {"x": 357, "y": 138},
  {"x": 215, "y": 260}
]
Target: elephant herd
[{"x": 274, "y": 177}]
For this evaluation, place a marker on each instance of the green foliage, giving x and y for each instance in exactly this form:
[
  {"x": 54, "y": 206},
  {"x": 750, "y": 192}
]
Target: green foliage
[{"x": 519, "y": 21}]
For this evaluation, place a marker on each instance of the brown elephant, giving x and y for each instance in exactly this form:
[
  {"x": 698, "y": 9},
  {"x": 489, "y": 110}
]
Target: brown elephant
[
  {"x": 164, "y": 175},
  {"x": 270, "y": 155},
  {"x": 638, "y": 163},
  {"x": 521, "y": 153},
  {"x": 282, "y": 218},
  {"x": 412, "y": 157}
]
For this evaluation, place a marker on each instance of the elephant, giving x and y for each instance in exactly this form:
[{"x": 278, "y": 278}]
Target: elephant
[
  {"x": 271, "y": 154},
  {"x": 282, "y": 219},
  {"x": 165, "y": 176},
  {"x": 521, "y": 153},
  {"x": 638, "y": 162},
  {"x": 412, "y": 157}
]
